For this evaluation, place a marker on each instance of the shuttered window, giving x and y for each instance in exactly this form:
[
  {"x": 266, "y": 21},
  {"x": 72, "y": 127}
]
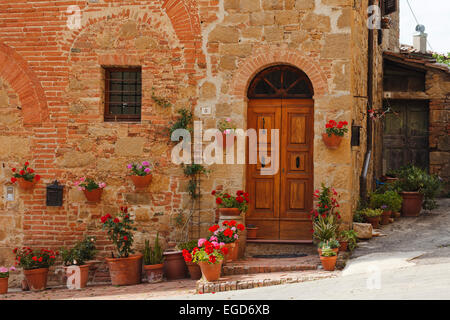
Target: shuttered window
[{"x": 389, "y": 6}]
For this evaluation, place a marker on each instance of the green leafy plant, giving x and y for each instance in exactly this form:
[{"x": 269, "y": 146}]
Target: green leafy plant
[
  {"x": 189, "y": 245},
  {"x": 371, "y": 213},
  {"x": 81, "y": 252},
  {"x": 442, "y": 58},
  {"x": 225, "y": 200},
  {"x": 226, "y": 126},
  {"x": 29, "y": 259},
  {"x": 391, "y": 199},
  {"x": 325, "y": 227},
  {"x": 351, "y": 237},
  {"x": 328, "y": 252},
  {"x": 153, "y": 255},
  {"x": 120, "y": 231},
  {"x": 327, "y": 203},
  {"x": 184, "y": 120},
  {"x": 332, "y": 243},
  {"x": 89, "y": 184}
]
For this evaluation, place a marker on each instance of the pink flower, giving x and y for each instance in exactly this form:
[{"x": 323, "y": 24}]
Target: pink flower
[
  {"x": 216, "y": 232},
  {"x": 236, "y": 236},
  {"x": 233, "y": 228},
  {"x": 145, "y": 163},
  {"x": 147, "y": 170},
  {"x": 12, "y": 268},
  {"x": 227, "y": 131},
  {"x": 228, "y": 119},
  {"x": 222, "y": 244},
  {"x": 80, "y": 188},
  {"x": 213, "y": 238},
  {"x": 130, "y": 166},
  {"x": 201, "y": 242},
  {"x": 215, "y": 243},
  {"x": 102, "y": 185},
  {"x": 3, "y": 270},
  {"x": 82, "y": 179},
  {"x": 76, "y": 183}
]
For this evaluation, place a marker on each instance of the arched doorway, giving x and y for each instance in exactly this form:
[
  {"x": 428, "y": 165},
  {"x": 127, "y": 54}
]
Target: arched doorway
[{"x": 280, "y": 97}]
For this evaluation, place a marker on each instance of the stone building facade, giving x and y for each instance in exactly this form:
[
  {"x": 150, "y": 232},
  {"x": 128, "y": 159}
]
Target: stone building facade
[{"x": 193, "y": 54}]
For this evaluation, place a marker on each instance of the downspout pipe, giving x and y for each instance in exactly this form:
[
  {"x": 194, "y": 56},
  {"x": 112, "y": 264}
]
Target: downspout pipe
[{"x": 369, "y": 131}]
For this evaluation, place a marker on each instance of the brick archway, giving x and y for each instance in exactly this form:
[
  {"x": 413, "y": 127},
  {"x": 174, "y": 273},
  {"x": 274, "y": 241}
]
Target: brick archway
[
  {"x": 15, "y": 70},
  {"x": 268, "y": 57}
]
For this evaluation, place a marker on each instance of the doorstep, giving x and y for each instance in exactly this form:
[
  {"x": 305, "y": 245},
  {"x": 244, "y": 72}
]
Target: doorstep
[{"x": 250, "y": 281}]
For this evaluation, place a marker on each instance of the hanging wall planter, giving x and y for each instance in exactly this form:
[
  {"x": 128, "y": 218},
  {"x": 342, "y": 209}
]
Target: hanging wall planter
[
  {"x": 26, "y": 177},
  {"x": 140, "y": 174},
  {"x": 332, "y": 142},
  {"x": 334, "y": 133},
  {"x": 141, "y": 182},
  {"x": 93, "y": 195}
]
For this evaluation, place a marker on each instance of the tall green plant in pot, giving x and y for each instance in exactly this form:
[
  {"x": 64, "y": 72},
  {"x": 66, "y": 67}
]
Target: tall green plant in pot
[
  {"x": 153, "y": 261},
  {"x": 125, "y": 269}
]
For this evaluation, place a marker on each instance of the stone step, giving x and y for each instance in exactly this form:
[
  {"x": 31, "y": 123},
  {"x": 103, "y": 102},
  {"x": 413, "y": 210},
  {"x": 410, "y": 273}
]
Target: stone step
[{"x": 253, "y": 249}]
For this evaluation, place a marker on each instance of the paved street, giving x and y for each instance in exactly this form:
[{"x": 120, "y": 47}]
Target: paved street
[{"x": 411, "y": 262}]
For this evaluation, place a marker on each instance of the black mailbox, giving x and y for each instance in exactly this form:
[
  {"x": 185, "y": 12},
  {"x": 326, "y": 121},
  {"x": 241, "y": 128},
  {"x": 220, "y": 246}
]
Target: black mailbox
[
  {"x": 356, "y": 133},
  {"x": 55, "y": 194}
]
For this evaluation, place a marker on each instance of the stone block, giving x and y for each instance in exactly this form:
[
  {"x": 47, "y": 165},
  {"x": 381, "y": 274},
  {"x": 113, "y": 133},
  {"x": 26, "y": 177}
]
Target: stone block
[
  {"x": 337, "y": 46},
  {"x": 130, "y": 146},
  {"x": 224, "y": 34},
  {"x": 363, "y": 230}
]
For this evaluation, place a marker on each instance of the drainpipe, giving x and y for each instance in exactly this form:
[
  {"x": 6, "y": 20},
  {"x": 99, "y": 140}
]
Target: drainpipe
[{"x": 368, "y": 155}]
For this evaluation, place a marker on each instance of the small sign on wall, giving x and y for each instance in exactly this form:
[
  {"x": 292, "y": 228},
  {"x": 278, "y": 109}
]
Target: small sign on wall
[{"x": 9, "y": 193}]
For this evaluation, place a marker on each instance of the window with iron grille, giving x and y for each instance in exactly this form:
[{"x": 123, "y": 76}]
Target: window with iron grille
[
  {"x": 389, "y": 6},
  {"x": 123, "y": 94}
]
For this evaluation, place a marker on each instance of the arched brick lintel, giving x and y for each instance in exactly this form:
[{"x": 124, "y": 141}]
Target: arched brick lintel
[
  {"x": 269, "y": 57},
  {"x": 15, "y": 70}
]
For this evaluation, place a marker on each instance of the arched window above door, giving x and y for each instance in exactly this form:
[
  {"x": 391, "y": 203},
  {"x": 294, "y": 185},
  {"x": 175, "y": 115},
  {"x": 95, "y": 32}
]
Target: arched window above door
[{"x": 283, "y": 81}]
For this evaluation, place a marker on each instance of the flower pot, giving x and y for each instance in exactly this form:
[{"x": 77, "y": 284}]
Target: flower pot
[
  {"x": 328, "y": 263},
  {"x": 335, "y": 250},
  {"x": 385, "y": 217},
  {"x": 26, "y": 185},
  {"x": 84, "y": 276},
  {"x": 397, "y": 215},
  {"x": 343, "y": 246},
  {"x": 125, "y": 271},
  {"x": 94, "y": 195},
  {"x": 221, "y": 139},
  {"x": 252, "y": 233},
  {"x": 332, "y": 142},
  {"x": 174, "y": 265},
  {"x": 230, "y": 256},
  {"x": 155, "y": 272},
  {"x": 194, "y": 270},
  {"x": 374, "y": 221},
  {"x": 211, "y": 272},
  {"x": 3, "y": 285},
  {"x": 141, "y": 182},
  {"x": 229, "y": 211},
  {"x": 412, "y": 203},
  {"x": 36, "y": 278},
  {"x": 390, "y": 180}
]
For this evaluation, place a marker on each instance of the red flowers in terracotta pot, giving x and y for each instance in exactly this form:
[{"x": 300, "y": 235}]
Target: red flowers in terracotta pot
[
  {"x": 26, "y": 177},
  {"x": 227, "y": 236},
  {"x": 334, "y": 133},
  {"x": 231, "y": 205},
  {"x": 209, "y": 257}
]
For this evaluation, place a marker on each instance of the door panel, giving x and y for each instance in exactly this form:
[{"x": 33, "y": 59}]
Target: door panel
[{"x": 282, "y": 201}]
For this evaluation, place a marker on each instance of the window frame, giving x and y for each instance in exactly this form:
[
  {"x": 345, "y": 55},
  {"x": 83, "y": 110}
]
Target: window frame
[
  {"x": 389, "y": 6},
  {"x": 119, "y": 117}
]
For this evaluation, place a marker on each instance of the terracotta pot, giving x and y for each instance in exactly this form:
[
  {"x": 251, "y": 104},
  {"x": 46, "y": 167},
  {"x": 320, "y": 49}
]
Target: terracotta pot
[
  {"x": 397, "y": 215},
  {"x": 36, "y": 278},
  {"x": 252, "y": 233},
  {"x": 235, "y": 255},
  {"x": 230, "y": 256},
  {"x": 332, "y": 142},
  {"x": 335, "y": 250},
  {"x": 211, "y": 272},
  {"x": 94, "y": 195},
  {"x": 390, "y": 180},
  {"x": 194, "y": 270},
  {"x": 385, "y": 217},
  {"x": 174, "y": 265},
  {"x": 125, "y": 271},
  {"x": 343, "y": 246},
  {"x": 26, "y": 185},
  {"x": 229, "y": 211},
  {"x": 141, "y": 182},
  {"x": 412, "y": 203},
  {"x": 155, "y": 272},
  {"x": 374, "y": 221},
  {"x": 240, "y": 219},
  {"x": 3, "y": 285},
  {"x": 328, "y": 263},
  {"x": 221, "y": 139},
  {"x": 84, "y": 275}
]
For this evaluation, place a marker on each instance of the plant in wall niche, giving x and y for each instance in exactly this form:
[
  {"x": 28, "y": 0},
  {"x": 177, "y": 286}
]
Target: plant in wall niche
[
  {"x": 334, "y": 133},
  {"x": 124, "y": 268},
  {"x": 35, "y": 264},
  {"x": 25, "y": 177},
  {"x": 91, "y": 189},
  {"x": 141, "y": 174}
]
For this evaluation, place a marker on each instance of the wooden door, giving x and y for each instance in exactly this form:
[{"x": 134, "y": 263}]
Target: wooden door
[
  {"x": 405, "y": 137},
  {"x": 282, "y": 201}
]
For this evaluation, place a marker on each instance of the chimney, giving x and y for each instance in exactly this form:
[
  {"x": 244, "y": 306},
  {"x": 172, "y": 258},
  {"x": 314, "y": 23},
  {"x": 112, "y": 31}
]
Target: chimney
[{"x": 420, "y": 40}]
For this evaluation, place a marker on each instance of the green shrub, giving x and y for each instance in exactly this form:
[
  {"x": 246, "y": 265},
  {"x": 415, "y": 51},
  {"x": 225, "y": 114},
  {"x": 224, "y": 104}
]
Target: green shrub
[
  {"x": 332, "y": 243},
  {"x": 155, "y": 255},
  {"x": 351, "y": 237},
  {"x": 371, "y": 213},
  {"x": 391, "y": 199},
  {"x": 189, "y": 246}
]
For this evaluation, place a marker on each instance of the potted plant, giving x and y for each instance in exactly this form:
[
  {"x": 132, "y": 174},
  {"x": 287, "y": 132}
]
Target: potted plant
[
  {"x": 194, "y": 268},
  {"x": 389, "y": 201},
  {"x": 125, "y": 268},
  {"x": 252, "y": 231},
  {"x": 334, "y": 133},
  {"x": 140, "y": 174},
  {"x": 153, "y": 261},
  {"x": 333, "y": 244},
  {"x": 26, "y": 177},
  {"x": 231, "y": 205},
  {"x": 227, "y": 236},
  {"x": 347, "y": 239},
  {"x": 4, "y": 276},
  {"x": 390, "y": 177},
  {"x": 328, "y": 258},
  {"x": 209, "y": 257},
  {"x": 372, "y": 216},
  {"x": 92, "y": 190},
  {"x": 35, "y": 264},
  {"x": 227, "y": 131},
  {"x": 174, "y": 266},
  {"x": 72, "y": 259}
]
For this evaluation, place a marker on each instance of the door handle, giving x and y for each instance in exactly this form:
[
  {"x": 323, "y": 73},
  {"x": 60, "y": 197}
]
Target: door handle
[
  {"x": 264, "y": 123},
  {"x": 263, "y": 162},
  {"x": 297, "y": 162}
]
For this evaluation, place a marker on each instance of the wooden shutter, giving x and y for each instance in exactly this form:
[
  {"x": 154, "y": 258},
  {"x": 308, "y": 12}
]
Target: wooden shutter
[{"x": 389, "y": 6}]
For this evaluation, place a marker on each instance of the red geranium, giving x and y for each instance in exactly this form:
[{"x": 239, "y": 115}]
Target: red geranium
[
  {"x": 338, "y": 129},
  {"x": 26, "y": 173},
  {"x": 225, "y": 200}
]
